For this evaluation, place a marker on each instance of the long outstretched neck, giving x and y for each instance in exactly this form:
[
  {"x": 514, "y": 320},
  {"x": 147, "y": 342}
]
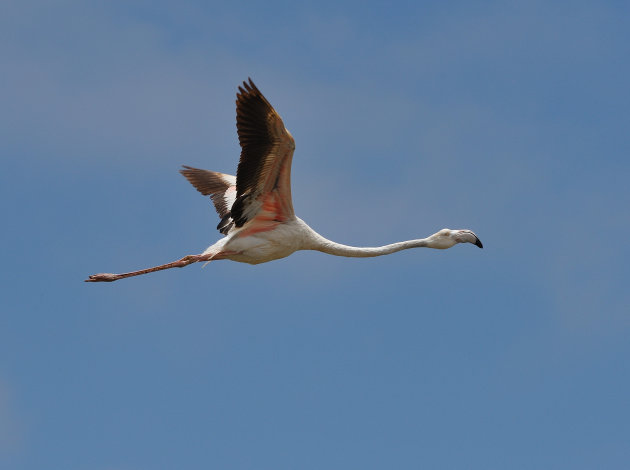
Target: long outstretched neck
[{"x": 332, "y": 248}]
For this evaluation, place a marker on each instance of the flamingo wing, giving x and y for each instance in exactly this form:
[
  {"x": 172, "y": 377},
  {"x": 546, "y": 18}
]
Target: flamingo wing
[
  {"x": 220, "y": 187},
  {"x": 260, "y": 194},
  {"x": 263, "y": 178}
]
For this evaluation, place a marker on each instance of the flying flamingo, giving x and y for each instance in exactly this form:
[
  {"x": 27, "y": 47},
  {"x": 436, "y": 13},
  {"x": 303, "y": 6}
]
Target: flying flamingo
[{"x": 255, "y": 207}]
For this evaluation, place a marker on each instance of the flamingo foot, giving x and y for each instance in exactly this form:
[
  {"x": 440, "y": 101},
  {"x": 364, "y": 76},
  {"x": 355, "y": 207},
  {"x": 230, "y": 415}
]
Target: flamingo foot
[{"x": 103, "y": 277}]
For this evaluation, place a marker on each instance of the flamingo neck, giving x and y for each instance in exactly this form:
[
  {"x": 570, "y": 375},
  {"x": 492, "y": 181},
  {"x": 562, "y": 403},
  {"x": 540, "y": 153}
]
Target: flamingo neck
[{"x": 332, "y": 248}]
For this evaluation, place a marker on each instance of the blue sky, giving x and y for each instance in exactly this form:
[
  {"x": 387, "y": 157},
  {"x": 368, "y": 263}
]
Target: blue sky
[{"x": 508, "y": 118}]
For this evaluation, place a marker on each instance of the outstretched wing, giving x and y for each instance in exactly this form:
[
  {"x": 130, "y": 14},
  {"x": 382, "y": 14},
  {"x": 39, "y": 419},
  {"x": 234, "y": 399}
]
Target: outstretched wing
[
  {"x": 220, "y": 187},
  {"x": 263, "y": 178},
  {"x": 261, "y": 191}
]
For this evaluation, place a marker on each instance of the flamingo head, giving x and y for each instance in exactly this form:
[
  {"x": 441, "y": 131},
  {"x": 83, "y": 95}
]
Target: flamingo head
[{"x": 446, "y": 238}]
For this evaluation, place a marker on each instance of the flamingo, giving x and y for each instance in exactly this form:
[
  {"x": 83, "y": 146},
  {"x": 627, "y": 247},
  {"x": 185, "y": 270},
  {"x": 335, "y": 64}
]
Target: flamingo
[{"x": 257, "y": 217}]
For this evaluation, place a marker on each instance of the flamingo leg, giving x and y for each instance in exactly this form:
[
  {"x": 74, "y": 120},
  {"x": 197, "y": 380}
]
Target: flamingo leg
[{"x": 180, "y": 263}]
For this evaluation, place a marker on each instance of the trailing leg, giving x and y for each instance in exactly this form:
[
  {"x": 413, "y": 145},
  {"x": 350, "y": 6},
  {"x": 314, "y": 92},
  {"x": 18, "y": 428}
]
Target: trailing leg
[{"x": 180, "y": 263}]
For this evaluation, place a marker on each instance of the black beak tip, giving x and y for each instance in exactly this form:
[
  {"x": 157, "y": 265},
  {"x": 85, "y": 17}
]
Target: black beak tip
[{"x": 478, "y": 243}]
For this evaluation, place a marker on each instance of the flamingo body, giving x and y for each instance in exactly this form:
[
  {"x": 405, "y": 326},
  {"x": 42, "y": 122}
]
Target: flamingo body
[{"x": 255, "y": 245}]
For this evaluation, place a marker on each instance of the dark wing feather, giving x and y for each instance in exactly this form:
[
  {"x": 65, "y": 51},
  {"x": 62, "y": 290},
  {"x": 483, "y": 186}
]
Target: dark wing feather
[{"x": 266, "y": 154}]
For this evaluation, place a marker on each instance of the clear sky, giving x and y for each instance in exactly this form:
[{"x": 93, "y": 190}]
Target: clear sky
[{"x": 508, "y": 118}]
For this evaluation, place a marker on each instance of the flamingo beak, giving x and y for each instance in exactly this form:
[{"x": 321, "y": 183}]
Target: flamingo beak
[{"x": 478, "y": 243}]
